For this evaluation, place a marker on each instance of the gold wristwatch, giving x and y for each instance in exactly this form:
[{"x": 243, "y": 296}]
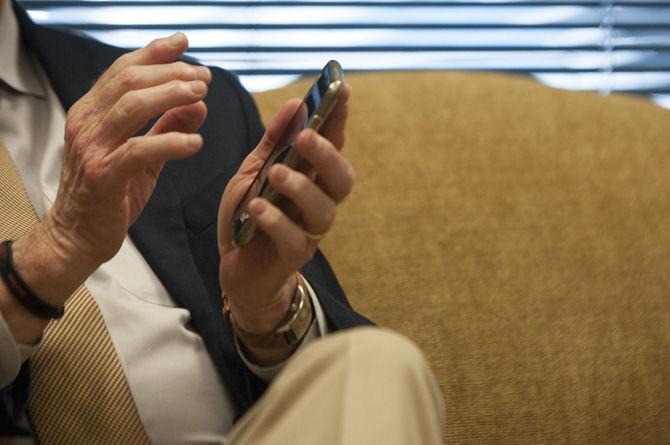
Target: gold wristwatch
[{"x": 291, "y": 329}]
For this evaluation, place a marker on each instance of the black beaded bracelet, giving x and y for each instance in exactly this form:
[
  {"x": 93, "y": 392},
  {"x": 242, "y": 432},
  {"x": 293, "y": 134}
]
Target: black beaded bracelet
[{"x": 20, "y": 290}]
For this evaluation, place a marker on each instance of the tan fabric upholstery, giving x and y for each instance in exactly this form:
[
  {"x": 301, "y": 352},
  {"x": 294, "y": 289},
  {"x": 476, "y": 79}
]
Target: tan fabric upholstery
[{"x": 521, "y": 236}]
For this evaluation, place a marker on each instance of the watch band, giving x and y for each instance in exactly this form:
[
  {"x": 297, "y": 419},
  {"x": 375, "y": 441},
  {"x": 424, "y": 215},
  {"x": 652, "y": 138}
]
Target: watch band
[
  {"x": 290, "y": 330},
  {"x": 20, "y": 290},
  {"x": 299, "y": 317}
]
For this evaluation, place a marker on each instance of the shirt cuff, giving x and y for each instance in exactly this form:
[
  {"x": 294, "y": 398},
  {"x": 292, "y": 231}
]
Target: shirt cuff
[
  {"x": 318, "y": 329},
  {"x": 12, "y": 354}
]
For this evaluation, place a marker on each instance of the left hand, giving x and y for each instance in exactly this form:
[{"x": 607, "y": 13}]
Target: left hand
[{"x": 258, "y": 277}]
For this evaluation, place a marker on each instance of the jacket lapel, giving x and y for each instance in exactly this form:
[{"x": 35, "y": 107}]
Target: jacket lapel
[{"x": 73, "y": 63}]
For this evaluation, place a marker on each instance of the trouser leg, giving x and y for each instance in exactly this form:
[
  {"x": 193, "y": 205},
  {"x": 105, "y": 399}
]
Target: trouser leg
[{"x": 363, "y": 386}]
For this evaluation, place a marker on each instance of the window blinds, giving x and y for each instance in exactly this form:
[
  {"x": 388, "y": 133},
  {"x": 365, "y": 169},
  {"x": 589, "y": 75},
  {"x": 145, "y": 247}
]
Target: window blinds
[{"x": 608, "y": 46}]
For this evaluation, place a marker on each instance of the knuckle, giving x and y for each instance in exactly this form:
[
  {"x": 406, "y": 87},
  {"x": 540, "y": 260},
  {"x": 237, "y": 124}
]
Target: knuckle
[
  {"x": 329, "y": 214},
  {"x": 300, "y": 181},
  {"x": 178, "y": 88},
  {"x": 154, "y": 47},
  {"x": 128, "y": 77},
  {"x": 328, "y": 152},
  {"x": 329, "y": 155},
  {"x": 73, "y": 127},
  {"x": 131, "y": 145},
  {"x": 121, "y": 61},
  {"x": 313, "y": 140},
  {"x": 273, "y": 219},
  {"x": 130, "y": 104},
  {"x": 132, "y": 151},
  {"x": 91, "y": 171},
  {"x": 182, "y": 69},
  {"x": 349, "y": 178}
]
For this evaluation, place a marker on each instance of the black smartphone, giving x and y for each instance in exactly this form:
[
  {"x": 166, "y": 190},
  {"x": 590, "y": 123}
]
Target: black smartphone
[{"x": 312, "y": 113}]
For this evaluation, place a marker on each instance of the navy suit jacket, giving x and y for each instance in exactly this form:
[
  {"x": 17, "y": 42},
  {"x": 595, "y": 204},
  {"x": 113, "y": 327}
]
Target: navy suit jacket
[{"x": 176, "y": 232}]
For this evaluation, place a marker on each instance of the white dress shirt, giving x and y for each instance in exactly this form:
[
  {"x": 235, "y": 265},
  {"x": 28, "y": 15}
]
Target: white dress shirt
[{"x": 175, "y": 385}]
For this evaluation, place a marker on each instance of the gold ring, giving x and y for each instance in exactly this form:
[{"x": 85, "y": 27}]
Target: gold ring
[{"x": 313, "y": 236}]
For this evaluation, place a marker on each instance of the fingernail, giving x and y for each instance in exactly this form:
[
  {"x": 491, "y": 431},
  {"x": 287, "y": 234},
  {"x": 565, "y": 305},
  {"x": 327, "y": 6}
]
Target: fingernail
[
  {"x": 279, "y": 173},
  {"x": 194, "y": 140},
  {"x": 203, "y": 73},
  {"x": 198, "y": 87},
  {"x": 257, "y": 206},
  {"x": 350, "y": 171},
  {"x": 176, "y": 39}
]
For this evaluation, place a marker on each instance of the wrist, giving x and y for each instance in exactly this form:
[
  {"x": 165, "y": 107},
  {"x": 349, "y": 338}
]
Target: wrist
[
  {"x": 52, "y": 271},
  {"x": 49, "y": 274},
  {"x": 263, "y": 319},
  {"x": 274, "y": 344}
]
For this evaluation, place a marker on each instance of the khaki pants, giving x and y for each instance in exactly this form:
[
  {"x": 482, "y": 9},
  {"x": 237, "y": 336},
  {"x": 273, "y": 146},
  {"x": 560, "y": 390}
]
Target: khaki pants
[{"x": 363, "y": 386}]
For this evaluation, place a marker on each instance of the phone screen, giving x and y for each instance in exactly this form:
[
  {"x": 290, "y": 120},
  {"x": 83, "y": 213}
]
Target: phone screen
[{"x": 303, "y": 118}]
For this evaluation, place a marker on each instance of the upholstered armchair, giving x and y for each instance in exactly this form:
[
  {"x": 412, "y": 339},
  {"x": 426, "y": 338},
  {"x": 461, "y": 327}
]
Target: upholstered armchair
[{"x": 521, "y": 236}]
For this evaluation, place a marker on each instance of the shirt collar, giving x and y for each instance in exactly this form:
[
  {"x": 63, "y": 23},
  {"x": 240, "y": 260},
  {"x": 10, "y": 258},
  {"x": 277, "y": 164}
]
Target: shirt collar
[{"x": 16, "y": 68}]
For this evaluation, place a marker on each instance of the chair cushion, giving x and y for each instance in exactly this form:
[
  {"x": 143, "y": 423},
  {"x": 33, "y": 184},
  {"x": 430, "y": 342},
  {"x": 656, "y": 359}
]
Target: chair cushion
[{"x": 521, "y": 236}]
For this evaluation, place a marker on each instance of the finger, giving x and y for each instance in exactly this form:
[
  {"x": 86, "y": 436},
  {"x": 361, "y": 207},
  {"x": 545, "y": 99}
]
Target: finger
[
  {"x": 335, "y": 174},
  {"x": 143, "y": 152},
  {"x": 317, "y": 208},
  {"x": 135, "y": 108},
  {"x": 137, "y": 77},
  {"x": 288, "y": 238},
  {"x": 163, "y": 50},
  {"x": 273, "y": 133},
  {"x": 185, "y": 119},
  {"x": 333, "y": 128}
]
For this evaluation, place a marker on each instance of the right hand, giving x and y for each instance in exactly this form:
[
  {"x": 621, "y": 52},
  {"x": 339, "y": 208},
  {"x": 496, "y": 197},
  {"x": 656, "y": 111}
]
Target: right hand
[{"x": 108, "y": 175}]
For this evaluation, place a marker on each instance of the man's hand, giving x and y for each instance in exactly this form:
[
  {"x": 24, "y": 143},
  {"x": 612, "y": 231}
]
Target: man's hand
[
  {"x": 108, "y": 175},
  {"x": 257, "y": 278}
]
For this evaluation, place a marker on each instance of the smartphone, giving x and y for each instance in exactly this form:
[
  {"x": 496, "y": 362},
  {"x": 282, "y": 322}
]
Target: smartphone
[{"x": 312, "y": 113}]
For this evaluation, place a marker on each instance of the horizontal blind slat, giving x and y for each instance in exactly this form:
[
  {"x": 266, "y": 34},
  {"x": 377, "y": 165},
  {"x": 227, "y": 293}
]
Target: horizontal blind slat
[
  {"x": 409, "y": 3},
  {"x": 460, "y": 60},
  {"x": 329, "y": 15},
  {"x": 312, "y": 39}
]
